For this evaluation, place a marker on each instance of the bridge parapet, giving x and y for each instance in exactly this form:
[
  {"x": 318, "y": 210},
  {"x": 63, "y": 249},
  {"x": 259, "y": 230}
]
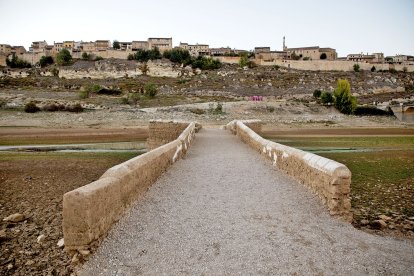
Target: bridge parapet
[
  {"x": 90, "y": 211},
  {"x": 328, "y": 179}
]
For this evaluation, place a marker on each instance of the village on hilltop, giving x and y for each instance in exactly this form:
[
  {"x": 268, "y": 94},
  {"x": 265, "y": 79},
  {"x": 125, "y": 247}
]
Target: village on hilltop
[{"x": 306, "y": 58}]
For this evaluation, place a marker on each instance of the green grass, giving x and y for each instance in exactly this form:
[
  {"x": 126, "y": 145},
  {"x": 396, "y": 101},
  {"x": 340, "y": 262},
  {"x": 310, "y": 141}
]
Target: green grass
[
  {"x": 382, "y": 180},
  {"x": 15, "y": 156}
]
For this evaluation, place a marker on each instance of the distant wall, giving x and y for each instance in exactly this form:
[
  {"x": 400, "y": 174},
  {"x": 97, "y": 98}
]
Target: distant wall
[
  {"x": 90, "y": 211},
  {"x": 330, "y": 180},
  {"x": 331, "y": 65},
  {"x": 230, "y": 60}
]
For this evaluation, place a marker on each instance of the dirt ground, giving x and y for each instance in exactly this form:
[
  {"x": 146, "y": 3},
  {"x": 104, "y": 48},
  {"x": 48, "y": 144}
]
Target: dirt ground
[{"x": 33, "y": 184}]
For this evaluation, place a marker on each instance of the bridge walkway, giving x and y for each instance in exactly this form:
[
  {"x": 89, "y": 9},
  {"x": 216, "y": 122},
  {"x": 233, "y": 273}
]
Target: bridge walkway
[{"x": 225, "y": 210}]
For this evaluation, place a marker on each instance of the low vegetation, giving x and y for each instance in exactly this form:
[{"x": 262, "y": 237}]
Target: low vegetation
[
  {"x": 64, "y": 58},
  {"x": 32, "y": 107},
  {"x": 16, "y": 62}
]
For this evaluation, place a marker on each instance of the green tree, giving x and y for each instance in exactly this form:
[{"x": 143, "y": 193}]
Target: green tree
[
  {"x": 244, "y": 60},
  {"x": 116, "y": 45},
  {"x": 63, "y": 57},
  {"x": 45, "y": 60},
  {"x": 206, "y": 63},
  {"x": 15, "y": 62},
  {"x": 151, "y": 90},
  {"x": 326, "y": 98},
  {"x": 344, "y": 101},
  {"x": 154, "y": 54},
  {"x": 178, "y": 56},
  {"x": 356, "y": 67}
]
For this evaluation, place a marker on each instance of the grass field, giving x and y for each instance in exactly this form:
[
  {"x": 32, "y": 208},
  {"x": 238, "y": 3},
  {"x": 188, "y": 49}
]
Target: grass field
[{"x": 382, "y": 171}]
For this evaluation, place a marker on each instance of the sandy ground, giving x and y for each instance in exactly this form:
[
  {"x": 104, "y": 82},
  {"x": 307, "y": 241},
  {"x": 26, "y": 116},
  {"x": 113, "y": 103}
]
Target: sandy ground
[{"x": 233, "y": 213}]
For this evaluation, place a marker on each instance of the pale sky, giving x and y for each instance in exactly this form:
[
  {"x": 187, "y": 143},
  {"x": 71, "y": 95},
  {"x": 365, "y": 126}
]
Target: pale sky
[{"x": 351, "y": 26}]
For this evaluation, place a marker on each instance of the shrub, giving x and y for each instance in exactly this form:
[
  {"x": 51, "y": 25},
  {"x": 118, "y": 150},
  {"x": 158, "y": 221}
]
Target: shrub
[
  {"x": 15, "y": 62},
  {"x": 106, "y": 91},
  {"x": 83, "y": 94},
  {"x": 276, "y": 67},
  {"x": 53, "y": 107},
  {"x": 405, "y": 69},
  {"x": 93, "y": 88},
  {"x": 45, "y": 60},
  {"x": 124, "y": 100},
  {"x": 270, "y": 109},
  {"x": 134, "y": 97},
  {"x": 75, "y": 108},
  {"x": 244, "y": 60},
  {"x": 323, "y": 56},
  {"x": 146, "y": 55},
  {"x": 373, "y": 69},
  {"x": 393, "y": 71},
  {"x": 151, "y": 90},
  {"x": 371, "y": 110},
  {"x": 197, "y": 111},
  {"x": 306, "y": 58},
  {"x": 344, "y": 101},
  {"x": 206, "y": 63},
  {"x": 85, "y": 56},
  {"x": 317, "y": 93},
  {"x": 63, "y": 57},
  {"x": 131, "y": 57},
  {"x": 326, "y": 98},
  {"x": 144, "y": 68},
  {"x": 98, "y": 58},
  {"x": 31, "y": 107},
  {"x": 356, "y": 67},
  {"x": 178, "y": 56},
  {"x": 55, "y": 71}
]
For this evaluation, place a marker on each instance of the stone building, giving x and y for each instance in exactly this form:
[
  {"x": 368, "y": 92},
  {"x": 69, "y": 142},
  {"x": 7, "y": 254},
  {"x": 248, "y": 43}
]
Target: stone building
[
  {"x": 401, "y": 59},
  {"x": 258, "y": 50},
  {"x": 102, "y": 45},
  {"x": 143, "y": 45},
  {"x": 69, "y": 45},
  {"x": 272, "y": 56},
  {"x": 88, "y": 46},
  {"x": 162, "y": 44},
  {"x": 312, "y": 53},
  {"x": 5, "y": 49},
  {"x": 196, "y": 49},
  {"x": 18, "y": 50},
  {"x": 125, "y": 46},
  {"x": 38, "y": 46},
  {"x": 57, "y": 46},
  {"x": 367, "y": 58}
]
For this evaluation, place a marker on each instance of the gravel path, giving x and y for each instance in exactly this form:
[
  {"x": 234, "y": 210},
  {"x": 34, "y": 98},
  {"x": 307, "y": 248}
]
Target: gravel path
[{"x": 225, "y": 210}]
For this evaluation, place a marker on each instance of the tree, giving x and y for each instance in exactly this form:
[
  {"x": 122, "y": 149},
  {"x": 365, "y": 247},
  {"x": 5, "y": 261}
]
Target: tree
[
  {"x": 244, "y": 60},
  {"x": 344, "y": 101},
  {"x": 151, "y": 90},
  {"x": 15, "y": 62},
  {"x": 63, "y": 57},
  {"x": 45, "y": 60},
  {"x": 116, "y": 45},
  {"x": 154, "y": 54},
  {"x": 206, "y": 63},
  {"x": 178, "y": 56},
  {"x": 356, "y": 67},
  {"x": 323, "y": 56}
]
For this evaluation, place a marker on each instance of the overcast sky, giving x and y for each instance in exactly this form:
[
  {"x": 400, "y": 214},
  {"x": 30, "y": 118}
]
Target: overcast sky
[{"x": 351, "y": 26}]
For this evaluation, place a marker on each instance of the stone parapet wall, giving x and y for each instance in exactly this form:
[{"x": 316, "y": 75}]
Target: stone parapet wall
[
  {"x": 90, "y": 211},
  {"x": 330, "y": 180}
]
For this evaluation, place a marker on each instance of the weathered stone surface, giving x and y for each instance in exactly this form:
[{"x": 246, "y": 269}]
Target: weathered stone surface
[
  {"x": 90, "y": 211},
  {"x": 328, "y": 179}
]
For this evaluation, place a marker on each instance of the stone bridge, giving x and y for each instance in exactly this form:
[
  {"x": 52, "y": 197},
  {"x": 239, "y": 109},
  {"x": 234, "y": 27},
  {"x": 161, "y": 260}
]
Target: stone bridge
[{"x": 233, "y": 204}]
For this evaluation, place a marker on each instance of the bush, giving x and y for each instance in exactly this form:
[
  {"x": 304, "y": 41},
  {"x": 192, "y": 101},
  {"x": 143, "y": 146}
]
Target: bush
[
  {"x": 15, "y": 62},
  {"x": 98, "y": 58},
  {"x": 270, "y": 109},
  {"x": 134, "y": 97},
  {"x": 63, "y": 57},
  {"x": 85, "y": 56},
  {"x": 326, "y": 98},
  {"x": 83, "y": 94},
  {"x": 45, "y": 60},
  {"x": 77, "y": 108},
  {"x": 151, "y": 90},
  {"x": 124, "y": 100},
  {"x": 244, "y": 60},
  {"x": 131, "y": 57},
  {"x": 371, "y": 110},
  {"x": 31, "y": 107},
  {"x": 356, "y": 67},
  {"x": 93, "y": 88},
  {"x": 393, "y": 71},
  {"x": 206, "y": 63},
  {"x": 106, "y": 91},
  {"x": 146, "y": 55},
  {"x": 144, "y": 68},
  {"x": 178, "y": 56},
  {"x": 405, "y": 69},
  {"x": 344, "y": 101},
  {"x": 53, "y": 107},
  {"x": 197, "y": 111},
  {"x": 55, "y": 71},
  {"x": 373, "y": 69},
  {"x": 317, "y": 93}
]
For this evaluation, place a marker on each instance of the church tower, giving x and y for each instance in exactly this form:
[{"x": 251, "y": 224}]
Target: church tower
[{"x": 284, "y": 44}]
